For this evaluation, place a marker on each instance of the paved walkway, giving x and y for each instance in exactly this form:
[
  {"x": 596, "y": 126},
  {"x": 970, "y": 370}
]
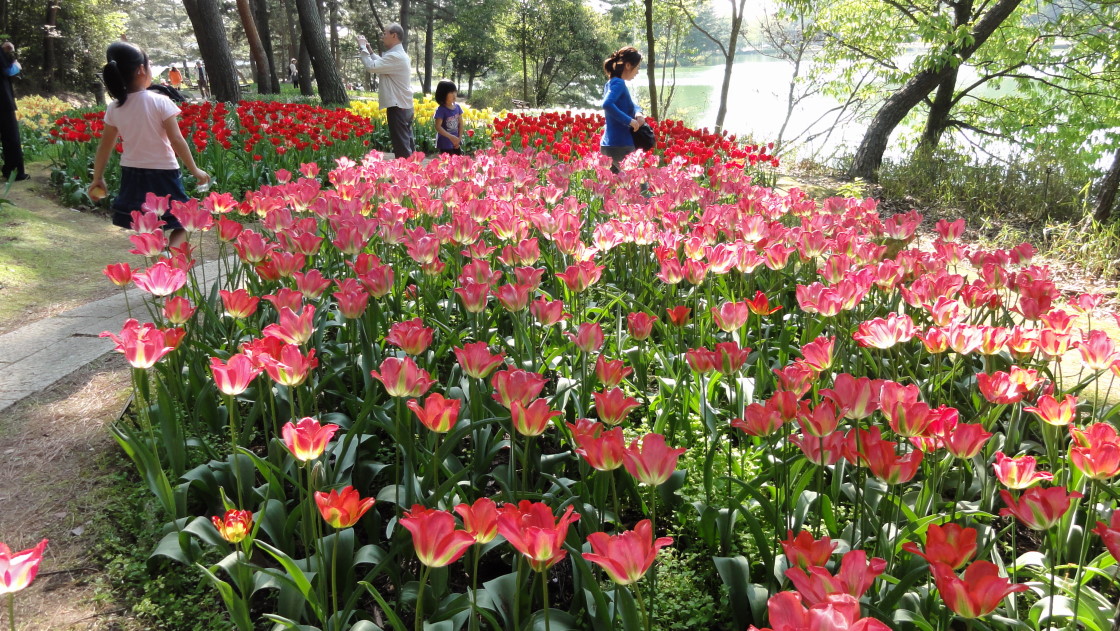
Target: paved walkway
[{"x": 36, "y": 356}]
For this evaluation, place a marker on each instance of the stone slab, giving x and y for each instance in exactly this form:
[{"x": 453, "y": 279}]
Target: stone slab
[{"x": 45, "y": 367}]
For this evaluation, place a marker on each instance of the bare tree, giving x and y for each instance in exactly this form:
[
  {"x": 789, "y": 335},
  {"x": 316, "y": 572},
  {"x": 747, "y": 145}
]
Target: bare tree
[{"x": 728, "y": 50}]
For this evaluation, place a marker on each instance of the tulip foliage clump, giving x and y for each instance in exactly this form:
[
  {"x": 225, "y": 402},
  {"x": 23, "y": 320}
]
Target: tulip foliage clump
[{"x": 490, "y": 391}]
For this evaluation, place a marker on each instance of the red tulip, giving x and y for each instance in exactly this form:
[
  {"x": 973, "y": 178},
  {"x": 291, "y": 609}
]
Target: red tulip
[
  {"x": 611, "y": 373},
  {"x": 650, "y": 460},
  {"x": 160, "y": 279},
  {"x": 532, "y": 419},
  {"x": 818, "y": 353},
  {"x": 640, "y": 325},
  {"x": 819, "y": 421},
  {"x": 579, "y": 277},
  {"x": 1054, "y": 412},
  {"x": 885, "y": 333},
  {"x": 434, "y": 537},
  {"x": 626, "y": 557},
  {"x": 548, "y": 312},
  {"x": 854, "y": 578},
  {"x": 342, "y": 509},
  {"x": 760, "y": 305},
  {"x": 178, "y": 310},
  {"x": 307, "y": 439},
  {"x": 142, "y": 344},
  {"x": 589, "y": 337},
  {"x": 292, "y": 367},
  {"x": 1110, "y": 534},
  {"x": 235, "y": 525},
  {"x": 602, "y": 449},
  {"x": 885, "y": 463},
  {"x": 402, "y": 377},
  {"x": 1018, "y": 473},
  {"x": 730, "y": 357},
  {"x": 679, "y": 315},
  {"x": 513, "y": 297},
  {"x": 516, "y": 385},
  {"x": 837, "y": 612},
  {"x": 438, "y": 413},
  {"x": 234, "y": 376},
  {"x": 480, "y": 519},
  {"x": 857, "y": 397},
  {"x": 293, "y": 328},
  {"x": 804, "y": 551},
  {"x": 1000, "y": 388},
  {"x": 731, "y": 316},
  {"x": 613, "y": 405},
  {"x": 535, "y": 532},
  {"x": 951, "y": 544},
  {"x": 19, "y": 569},
  {"x": 821, "y": 451},
  {"x": 239, "y": 303},
  {"x": 758, "y": 420},
  {"x": 1038, "y": 508},
  {"x": 411, "y": 336},
  {"x": 1097, "y": 350},
  {"x": 978, "y": 593},
  {"x": 476, "y": 361},
  {"x": 965, "y": 440},
  {"x": 119, "y": 273}
]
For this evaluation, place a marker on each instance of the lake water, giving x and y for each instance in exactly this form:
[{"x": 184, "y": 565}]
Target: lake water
[{"x": 756, "y": 104}]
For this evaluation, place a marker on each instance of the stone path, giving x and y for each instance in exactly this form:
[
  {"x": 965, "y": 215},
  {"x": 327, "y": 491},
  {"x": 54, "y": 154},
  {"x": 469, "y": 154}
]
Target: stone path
[{"x": 34, "y": 357}]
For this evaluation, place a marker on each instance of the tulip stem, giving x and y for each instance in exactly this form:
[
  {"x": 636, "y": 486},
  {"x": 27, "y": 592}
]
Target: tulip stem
[
  {"x": 1084, "y": 547},
  {"x": 544, "y": 596},
  {"x": 420, "y": 598},
  {"x": 642, "y": 606},
  {"x": 12, "y": 611}
]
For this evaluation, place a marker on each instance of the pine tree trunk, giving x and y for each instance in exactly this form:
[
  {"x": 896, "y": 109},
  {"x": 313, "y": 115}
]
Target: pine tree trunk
[
  {"x": 869, "y": 155},
  {"x": 327, "y": 76},
  {"x": 1106, "y": 198},
  {"x": 406, "y": 17},
  {"x": 256, "y": 49},
  {"x": 260, "y": 16},
  {"x": 303, "y": 66},
  {"x": 651, "y": 70},
  {"x": 429, "y": 47},
  {"x": 332, "y": 6},
  {"x": 206, "y": 19}
]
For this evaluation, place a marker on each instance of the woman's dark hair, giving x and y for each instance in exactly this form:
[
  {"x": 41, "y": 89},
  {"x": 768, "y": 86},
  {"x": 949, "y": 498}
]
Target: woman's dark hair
[
  {"x": 124, "y": 60},
  {"x": 443, "y": 88},
  {"x": 616, "y": 63}
]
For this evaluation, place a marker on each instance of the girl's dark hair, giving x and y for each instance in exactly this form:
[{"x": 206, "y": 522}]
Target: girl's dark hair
[
  {"x": 443, "y": 88},
  {"x": 124, "y": 60},
  {"x": 616, "y": 63}
]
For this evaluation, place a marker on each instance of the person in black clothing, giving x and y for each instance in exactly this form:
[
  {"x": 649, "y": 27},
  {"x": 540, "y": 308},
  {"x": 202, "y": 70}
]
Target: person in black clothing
[{"x": 9, "y": 126}]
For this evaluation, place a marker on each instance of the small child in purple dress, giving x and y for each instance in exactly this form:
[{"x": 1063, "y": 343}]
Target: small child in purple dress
[{"x": 449, "y": 119}]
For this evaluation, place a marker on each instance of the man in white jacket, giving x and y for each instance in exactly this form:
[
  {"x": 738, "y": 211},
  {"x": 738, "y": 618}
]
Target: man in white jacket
[{"x": 394, "y": 92}]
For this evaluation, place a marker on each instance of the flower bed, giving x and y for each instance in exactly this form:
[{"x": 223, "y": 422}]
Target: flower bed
[
  {"x": 448, "y": 394},
  {"x": 569, "y": 136},
  {"x": 476, "y": 124}
]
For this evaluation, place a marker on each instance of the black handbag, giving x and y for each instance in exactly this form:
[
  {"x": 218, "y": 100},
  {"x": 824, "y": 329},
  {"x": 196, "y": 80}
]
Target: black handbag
[{"x": 643, "y": 137}]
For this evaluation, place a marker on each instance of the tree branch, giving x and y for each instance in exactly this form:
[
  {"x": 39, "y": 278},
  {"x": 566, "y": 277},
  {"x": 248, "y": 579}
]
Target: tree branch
[{"x": 688, "y": 14}]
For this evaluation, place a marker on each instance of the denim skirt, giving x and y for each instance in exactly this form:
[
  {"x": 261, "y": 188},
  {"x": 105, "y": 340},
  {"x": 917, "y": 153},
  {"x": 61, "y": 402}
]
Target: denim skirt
[{"x": 136, "y": 183}]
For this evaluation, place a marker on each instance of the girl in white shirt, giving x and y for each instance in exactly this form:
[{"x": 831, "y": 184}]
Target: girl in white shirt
[{"x": 148, "y": 124}]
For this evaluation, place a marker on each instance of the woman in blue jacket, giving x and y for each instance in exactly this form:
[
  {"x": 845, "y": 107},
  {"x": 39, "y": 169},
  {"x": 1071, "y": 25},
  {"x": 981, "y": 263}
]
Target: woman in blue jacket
[{"x": 621, "y": 113}]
